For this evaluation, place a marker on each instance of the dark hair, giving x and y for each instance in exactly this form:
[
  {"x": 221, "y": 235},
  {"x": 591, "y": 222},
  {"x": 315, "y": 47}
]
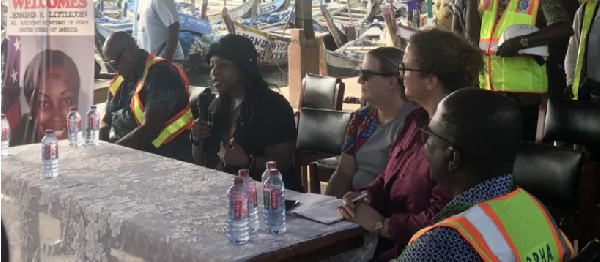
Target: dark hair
[
  {"x": 389, "y": 59},
  {"x": 42, "y": 64},
  {"x": 486, "y": 124},
  {"x": 449, "y": 57}
]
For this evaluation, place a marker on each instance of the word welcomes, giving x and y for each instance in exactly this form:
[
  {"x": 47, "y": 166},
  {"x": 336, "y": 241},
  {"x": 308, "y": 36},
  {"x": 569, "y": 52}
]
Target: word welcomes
[{"x": 40, "y": 4}]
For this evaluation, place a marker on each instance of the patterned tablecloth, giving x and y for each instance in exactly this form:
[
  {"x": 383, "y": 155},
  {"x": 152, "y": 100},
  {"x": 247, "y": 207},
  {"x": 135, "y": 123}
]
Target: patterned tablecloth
[{"x": 117, "y": 204}]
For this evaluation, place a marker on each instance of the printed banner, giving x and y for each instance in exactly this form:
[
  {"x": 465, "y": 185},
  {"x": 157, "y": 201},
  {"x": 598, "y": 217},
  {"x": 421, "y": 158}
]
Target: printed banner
[{"x": 49, "y": 66}]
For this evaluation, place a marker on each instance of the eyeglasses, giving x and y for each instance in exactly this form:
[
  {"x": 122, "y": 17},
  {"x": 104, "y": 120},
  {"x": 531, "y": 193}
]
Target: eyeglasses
[
  {"x": 115, "y": 62},
  {"x": 367, "y": 74},
  {"x": 426, "y": 133},
  {"x": 402, "y": 69}
]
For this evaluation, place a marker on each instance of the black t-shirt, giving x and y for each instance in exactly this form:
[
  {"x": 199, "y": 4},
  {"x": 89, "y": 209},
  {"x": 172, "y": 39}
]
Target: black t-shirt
[{"x": 266, "y": 122}]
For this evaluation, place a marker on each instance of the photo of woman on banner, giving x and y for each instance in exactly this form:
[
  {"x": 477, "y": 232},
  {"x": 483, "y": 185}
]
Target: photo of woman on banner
[{"x": 51, "y": 85}]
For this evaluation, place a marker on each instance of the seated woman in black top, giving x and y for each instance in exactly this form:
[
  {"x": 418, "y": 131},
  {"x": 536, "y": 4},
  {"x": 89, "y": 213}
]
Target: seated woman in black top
[{"x": 248, "y": 124}]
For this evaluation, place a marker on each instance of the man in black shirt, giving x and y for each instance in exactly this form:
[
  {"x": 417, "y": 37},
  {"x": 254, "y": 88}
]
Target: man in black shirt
[
  {"x": 248, "y": 124},
  {"x": 148, "y": 101}
]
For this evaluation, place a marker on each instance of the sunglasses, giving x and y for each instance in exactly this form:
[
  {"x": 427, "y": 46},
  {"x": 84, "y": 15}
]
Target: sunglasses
[
  {"x": 402, "y": 69},
  {"x": 367, "y": 74}
]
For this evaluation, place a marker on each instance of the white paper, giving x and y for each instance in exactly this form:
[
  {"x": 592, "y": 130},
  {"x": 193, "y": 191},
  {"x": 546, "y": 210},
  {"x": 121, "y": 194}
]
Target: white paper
[{"x": 320, "y": 208}]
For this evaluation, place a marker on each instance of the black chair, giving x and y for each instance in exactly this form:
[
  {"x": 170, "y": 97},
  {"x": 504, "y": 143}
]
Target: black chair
[
  {"x": 590, "y": 253},
  {"x": 321, "y": 134},
  {"x": 322, "y": 92},
  {"x": 561, "y": 179}
]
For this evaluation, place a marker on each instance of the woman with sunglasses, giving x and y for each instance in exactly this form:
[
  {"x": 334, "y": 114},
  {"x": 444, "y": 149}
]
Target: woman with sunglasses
[
  {"x": 373, "y": 128},
  {"x": 403, "y": 198}
]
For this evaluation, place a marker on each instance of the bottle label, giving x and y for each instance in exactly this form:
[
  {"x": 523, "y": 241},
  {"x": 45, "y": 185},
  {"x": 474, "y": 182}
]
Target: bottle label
[
  {"x": 238, "y": 208},
  {"x": 50, "y": 151},
  {"x": 93, "y": 123},
  {"x": 271, "y": 199},
  {"x": 4, "y": 134},
  {"x": 74, "y": 125},
  {"x": 254, "y": 198}
]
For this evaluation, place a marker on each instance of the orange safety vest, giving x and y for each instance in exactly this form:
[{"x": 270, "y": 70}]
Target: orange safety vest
[
  {"x": 180, "y": 122},
  {"x": 513, "y": 227}
]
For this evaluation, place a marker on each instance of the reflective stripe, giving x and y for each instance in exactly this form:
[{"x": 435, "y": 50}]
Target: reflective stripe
[
  {"x": 170, "y": 131},
  {"x": 490, "y": 233},
  {"x": 565, "y": 249},
  {"x": 590, "y": 8},
  {"x": 115, "y": 83},
  {"x": 136, "y": 104}
]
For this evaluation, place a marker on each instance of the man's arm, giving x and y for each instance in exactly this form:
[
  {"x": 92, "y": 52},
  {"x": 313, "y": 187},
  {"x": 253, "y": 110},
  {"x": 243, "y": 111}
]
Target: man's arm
[
  {"x": 167, "y": 13},
  {"x": 472, "y": 22},
  {"x": 559, "y": 25},
  {"x": 106, "y": 122},
  {"x": 141, "y": 138}
]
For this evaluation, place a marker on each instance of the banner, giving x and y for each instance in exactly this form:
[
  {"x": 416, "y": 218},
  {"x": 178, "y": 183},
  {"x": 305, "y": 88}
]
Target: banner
[{"x": 49, "y": 66}]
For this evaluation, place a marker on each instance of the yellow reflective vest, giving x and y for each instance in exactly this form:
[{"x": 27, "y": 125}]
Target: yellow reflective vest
[
  {"x": 180, "y": 122},
  {"x": 521, "y": 73},
  {"x": 590, "y": 9}
]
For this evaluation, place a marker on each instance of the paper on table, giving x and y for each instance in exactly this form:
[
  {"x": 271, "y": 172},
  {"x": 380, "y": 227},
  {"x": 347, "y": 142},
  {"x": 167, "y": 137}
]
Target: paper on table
[{"x": 322, "y": 209}]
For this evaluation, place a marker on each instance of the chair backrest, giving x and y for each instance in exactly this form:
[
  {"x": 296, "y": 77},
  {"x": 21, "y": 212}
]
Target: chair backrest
[
  {"x": 572, "y": 121},
  {"x": 322, "y": 130},
  {"x": 552, "y": 174},
  {"x": 322, "y": 92}
]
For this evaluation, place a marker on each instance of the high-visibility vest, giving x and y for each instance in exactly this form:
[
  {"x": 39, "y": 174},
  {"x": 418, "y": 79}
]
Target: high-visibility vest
[
  {"x": 590, "y": 9},
  {"x": 180, "y": 122},
  {"x": 513, "y": 227},
  {"x": 520, "y": 74}
]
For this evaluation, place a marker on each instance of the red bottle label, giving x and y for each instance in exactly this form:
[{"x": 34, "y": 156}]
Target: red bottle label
[
  {"x": 91, "y": 123},
  {"x": 274, "y": 200},
  {"x": 254, "y": 198},
  {"x": 238, "y": 208},
  {"x": 51, "y": 151},
  {"x": 4, "y": 134},
  {"x": 75, "y": 126}
]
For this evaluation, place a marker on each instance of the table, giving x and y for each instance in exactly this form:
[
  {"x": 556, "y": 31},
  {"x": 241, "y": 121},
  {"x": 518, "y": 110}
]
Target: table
[{"x": 119, "y": 204}]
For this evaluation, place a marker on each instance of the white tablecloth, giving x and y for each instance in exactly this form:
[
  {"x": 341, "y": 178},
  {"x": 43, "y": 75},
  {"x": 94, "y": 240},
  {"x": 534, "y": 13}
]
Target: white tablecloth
[{"x": 114, "y": 202}]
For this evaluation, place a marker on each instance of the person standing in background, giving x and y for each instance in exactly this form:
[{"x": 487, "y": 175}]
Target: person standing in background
[
  {"x": 583, "y": 71},
  {"x": 158, "y": 29}
]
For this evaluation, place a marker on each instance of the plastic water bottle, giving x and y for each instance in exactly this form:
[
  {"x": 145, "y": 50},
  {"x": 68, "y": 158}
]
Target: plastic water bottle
[
  {"x": 5, "y": 135},
  {"x": 274, "y": 203},
  {"x": 74, "y": 125},
  {"x": 92, "y": 127},
  {"x": 238, "y": 231},
  {"x": 270, "y": 165},
  {"x": 250, "y": 186},
  {"x": 49, "y": 155}
]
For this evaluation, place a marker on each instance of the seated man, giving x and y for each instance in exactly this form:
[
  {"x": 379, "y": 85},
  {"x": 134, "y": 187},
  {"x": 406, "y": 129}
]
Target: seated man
[
  {"x": 148, "y": 101},
  {"x": 472, "y": 142}
]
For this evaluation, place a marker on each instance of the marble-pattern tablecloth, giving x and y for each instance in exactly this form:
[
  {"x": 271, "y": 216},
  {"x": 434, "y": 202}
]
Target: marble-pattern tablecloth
[{"x": 150, "y": 207}]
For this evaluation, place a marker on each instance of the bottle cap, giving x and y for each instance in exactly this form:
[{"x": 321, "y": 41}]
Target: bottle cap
[
  {"x": 244, "y": 172},
  {"x": 273, "y": 172},
  {"x": 93, "y": 107},
  {"x": 49, "y": 131},
  {"x": 271, "y": 165},
  {"x": 238, "y": 179},
  {"x": 73, "y": 108}
]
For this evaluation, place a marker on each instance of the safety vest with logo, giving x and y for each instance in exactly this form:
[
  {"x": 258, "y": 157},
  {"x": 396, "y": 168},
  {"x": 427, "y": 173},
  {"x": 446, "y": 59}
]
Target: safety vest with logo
[
  {"x": 180, "y": 122},
  {"x": 513, "y": 227},
  {"x": 590, "y": 8},
  {"x": 521, "y": 74}
]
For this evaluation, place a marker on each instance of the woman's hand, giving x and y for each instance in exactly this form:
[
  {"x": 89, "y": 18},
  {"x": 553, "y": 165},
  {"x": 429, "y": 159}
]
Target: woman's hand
[
  {"x": 232, "y": 154},
  {"x": 367, "y": 217},
  {"x": 348, "y": 208},
  {"x": 201, "y": 129}
]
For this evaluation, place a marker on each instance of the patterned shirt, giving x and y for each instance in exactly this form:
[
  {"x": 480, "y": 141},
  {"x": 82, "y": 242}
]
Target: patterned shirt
[
  {"x": 362, "y": 125},
  {"x": 446, "y": 244}
]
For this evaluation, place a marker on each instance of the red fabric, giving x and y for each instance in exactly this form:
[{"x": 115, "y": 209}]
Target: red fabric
[{"x": 404, "y": 192}]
